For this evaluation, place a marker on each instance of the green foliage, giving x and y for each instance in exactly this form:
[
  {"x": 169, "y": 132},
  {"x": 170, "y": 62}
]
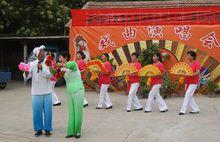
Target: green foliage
[
  {"x": 146, "y": 58},
  {"x": 212, "y": 86},
  {"x": 144, "y": 88},
  {"x": 33, "y": 18},
  {"x": 168, "y": 86},
  {"x": 37, "y": 17},
  {"x": 147, "y": 54}
]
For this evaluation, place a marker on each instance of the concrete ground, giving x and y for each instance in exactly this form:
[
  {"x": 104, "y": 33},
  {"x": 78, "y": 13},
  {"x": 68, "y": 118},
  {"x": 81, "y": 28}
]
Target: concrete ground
[{"x": 114, "y": 125}]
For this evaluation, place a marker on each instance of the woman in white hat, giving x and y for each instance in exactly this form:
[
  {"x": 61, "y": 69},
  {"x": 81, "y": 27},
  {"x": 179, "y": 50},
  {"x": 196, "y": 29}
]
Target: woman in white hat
[{"x": 41, "y": 91}]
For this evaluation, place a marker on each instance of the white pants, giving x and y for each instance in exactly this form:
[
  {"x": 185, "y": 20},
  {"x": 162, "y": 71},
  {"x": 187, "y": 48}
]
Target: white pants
[
  {"x": 104, "y": 99},
  {"x": 155, "y": 92},
  {"x": 189, "y": 100},
  {"x": 55, "y": 99},
  {"x": 85, "y": 101},
  {"x": 132, "y": 97}
]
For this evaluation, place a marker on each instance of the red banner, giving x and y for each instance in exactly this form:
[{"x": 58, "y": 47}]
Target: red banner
[
  {"x": 162, "y": 16},
  {"x": 120, "y": 32}
]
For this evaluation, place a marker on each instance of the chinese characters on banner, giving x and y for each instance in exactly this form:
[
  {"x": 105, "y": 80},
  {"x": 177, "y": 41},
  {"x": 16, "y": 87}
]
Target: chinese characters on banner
[
  {"x": 209, "y": 40},
  {"x": 183, "y": 32},
  {"x": 105, "y": 42},
  {"x": 154, "y": 31},
  {"x": 129, "y": 33}
]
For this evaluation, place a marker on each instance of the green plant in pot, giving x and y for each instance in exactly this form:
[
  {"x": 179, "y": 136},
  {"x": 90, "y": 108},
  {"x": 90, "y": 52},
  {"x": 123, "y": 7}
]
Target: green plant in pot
[
  {"x": 211, "y": 88},
  {"x": 146, "y": 58},
  {"x": 144, "y": 88},
  {"x": 146, "y": 54},
  {"x": 168, "y": 86}
]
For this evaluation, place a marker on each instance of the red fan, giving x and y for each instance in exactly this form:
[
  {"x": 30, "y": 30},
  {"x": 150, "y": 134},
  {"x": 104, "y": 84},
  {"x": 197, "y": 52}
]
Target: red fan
[{"x": 95, "y": 65}]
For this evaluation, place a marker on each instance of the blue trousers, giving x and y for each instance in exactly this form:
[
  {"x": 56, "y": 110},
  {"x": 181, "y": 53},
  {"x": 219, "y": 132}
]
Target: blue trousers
[{"x": 42, "y": 112}]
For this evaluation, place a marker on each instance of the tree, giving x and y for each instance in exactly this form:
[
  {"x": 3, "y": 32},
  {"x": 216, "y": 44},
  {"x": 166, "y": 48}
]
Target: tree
[
  {"x": 168, "y": 86},
  {"x": 33, "y": 18},
  {"x": 147, "y": 54},
  {"x": 36, "y": 17}
]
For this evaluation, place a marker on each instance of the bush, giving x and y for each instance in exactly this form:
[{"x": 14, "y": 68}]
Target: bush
[
  {"x": 168, "y": 86},
  {"x": 212, "y": 86},
  {"x": 146, "y": 55},
  {"x": 144, "y": 88},
  {"x": 145, "y": 58}
]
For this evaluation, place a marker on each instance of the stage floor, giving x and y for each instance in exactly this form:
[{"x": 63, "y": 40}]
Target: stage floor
[{"x": 115, "y": 125}]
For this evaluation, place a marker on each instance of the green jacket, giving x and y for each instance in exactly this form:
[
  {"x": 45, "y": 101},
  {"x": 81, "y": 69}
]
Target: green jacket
[{"x": 73, "y": 78}]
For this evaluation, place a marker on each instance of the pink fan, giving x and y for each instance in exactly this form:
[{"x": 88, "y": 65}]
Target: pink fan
[{"x": 24, "y": 67}]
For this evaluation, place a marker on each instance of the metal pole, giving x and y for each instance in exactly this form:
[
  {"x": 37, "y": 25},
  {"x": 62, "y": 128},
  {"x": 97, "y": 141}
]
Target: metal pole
[{"x": 25, "y": 53}]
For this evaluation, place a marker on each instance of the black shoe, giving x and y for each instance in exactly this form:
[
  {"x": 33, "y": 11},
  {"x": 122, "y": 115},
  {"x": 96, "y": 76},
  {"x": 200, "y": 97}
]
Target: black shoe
[
  {"x": 110, "y": 107},
  {"x": 181, "y": 113},
  {"x": 166, "y": 110},
  {"x": 38, "y": 133},
  {"x": 128, "y": 110},
  {"x": 77, "y": 136},
  {"x": 138, "y": 109},
  {"x": 146, "y": 111},
  {"x": 47, "y": 133},
  {"x": 69, "y": 136},
  {"x": 58, "y": 104},
  {"x": 85, "y": 105},
  {"x": 98, "y": 108},
  {"x": 197, "y": 112}
]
